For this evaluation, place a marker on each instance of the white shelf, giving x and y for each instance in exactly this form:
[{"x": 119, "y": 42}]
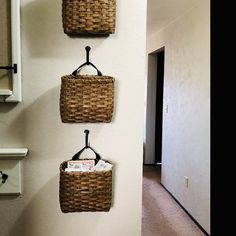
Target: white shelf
[
  {"x": 5, "y": 92},
  {"x": 13, "y": 153}
]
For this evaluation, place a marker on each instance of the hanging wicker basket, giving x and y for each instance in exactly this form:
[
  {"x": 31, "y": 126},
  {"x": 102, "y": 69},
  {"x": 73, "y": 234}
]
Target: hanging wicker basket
[
  {"x": 85, "y": 191},
  {"x": 86, "y": 98},
  {"x": 84, "y": 17}
]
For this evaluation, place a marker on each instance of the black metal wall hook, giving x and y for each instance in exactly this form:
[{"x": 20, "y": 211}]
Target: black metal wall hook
[
  {"x": 77, "y": 155},
  {"x": 86, "y": 138},
  {"x": 4, "y": 176},
  {"x": 87, "y": 48}
]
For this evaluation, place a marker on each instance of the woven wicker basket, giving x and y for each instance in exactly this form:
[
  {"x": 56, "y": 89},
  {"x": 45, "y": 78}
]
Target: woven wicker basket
[
  {"x": 86, "y": 98},
  {"x": 85, "y": 191},
  {"x": 88, "y": 16}
]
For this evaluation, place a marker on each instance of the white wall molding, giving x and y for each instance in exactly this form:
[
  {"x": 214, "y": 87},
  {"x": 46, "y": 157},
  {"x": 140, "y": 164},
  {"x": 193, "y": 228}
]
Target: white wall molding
[{"x": 13, "y": 153}]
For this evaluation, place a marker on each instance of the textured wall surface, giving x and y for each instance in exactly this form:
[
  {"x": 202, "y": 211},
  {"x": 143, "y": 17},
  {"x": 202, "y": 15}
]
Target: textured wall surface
[
  {"x": 186, "y": 126},
  {"x": 47, "y": 54}
]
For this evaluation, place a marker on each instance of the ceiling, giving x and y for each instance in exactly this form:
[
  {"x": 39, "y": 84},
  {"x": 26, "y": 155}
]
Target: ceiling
[{"x": 161, "y": 12}]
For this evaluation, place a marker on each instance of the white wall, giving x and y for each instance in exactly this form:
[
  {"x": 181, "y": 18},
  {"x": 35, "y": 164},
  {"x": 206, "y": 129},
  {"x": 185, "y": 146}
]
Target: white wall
[
  {"x": 47, "y": 54},
  {"x": 186, "y": 126}
]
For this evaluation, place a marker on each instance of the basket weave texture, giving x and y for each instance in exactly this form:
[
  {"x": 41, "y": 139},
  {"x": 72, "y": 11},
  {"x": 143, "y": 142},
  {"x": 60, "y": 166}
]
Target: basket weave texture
[
  {"x": 86, "y": 98},
  {"x": 85, "y": 191},
  {"x": 89, "y": 16}
]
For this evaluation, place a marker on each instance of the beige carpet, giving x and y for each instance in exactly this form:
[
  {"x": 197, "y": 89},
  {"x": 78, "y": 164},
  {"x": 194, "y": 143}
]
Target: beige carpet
[{"x": 162, "y": 216}]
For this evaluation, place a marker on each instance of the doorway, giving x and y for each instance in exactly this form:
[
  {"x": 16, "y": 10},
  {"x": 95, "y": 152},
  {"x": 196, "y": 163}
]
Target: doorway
[
  {"x": 159, "y": 105},
  {"x": 154, "y": 108}
]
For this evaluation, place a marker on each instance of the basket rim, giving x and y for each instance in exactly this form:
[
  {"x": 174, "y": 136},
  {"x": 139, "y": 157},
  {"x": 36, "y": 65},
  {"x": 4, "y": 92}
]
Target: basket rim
[
  {"x": 84, "y": 172},
  {"x": 87, "y": 76}
]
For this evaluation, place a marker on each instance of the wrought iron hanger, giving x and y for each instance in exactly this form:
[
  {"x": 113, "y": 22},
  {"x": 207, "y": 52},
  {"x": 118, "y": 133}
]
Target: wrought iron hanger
[
  {"x": 87, "y": 48},
  {"x": 87, "y": 146}
]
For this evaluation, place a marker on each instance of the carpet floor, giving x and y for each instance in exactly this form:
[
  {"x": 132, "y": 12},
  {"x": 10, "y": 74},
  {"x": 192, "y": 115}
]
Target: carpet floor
[{"x": 161, "y": 215}]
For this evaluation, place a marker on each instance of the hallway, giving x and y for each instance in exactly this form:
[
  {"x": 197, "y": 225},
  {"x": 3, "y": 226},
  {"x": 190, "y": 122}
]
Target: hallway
[{"x": 161, "y": 215}]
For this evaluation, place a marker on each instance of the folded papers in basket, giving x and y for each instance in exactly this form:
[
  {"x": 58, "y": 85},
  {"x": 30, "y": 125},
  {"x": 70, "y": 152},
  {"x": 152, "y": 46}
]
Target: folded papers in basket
[{"x": 88, "y": 165}]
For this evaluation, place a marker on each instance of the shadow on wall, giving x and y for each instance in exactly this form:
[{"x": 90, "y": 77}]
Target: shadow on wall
[
  {"x": 50, "y": 142},
  {"x": 42, "y": 216},
  {"x": 38, "y": 126},
  {"x": 6, "y": 107},
  {"x": 7, "y": 111},
  {"x": 43, "y": 131},
  {"x": 43, "y": 31},
  {"x": 40, "y": 129},
  {"x": 40, "y": 26},
  {"x": 33, "y": 123}
]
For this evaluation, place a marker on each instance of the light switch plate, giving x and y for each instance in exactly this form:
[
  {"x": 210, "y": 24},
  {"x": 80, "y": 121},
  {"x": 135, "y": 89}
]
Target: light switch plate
[{"x": 13, "y": 183}]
